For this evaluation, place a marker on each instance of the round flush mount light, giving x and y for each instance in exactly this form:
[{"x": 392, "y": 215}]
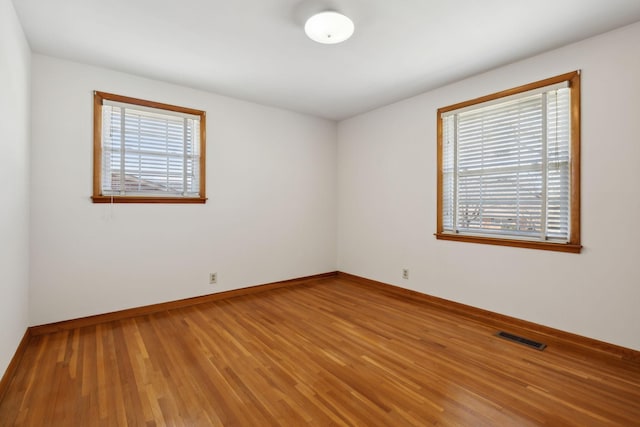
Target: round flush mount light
[{"x": 329, "y": 27}]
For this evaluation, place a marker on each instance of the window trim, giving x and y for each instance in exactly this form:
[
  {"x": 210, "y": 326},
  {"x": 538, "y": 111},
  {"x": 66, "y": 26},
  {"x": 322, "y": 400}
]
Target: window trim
[
  {"x": 573, "y": 245},
  {"x": 98, "y": 197}
]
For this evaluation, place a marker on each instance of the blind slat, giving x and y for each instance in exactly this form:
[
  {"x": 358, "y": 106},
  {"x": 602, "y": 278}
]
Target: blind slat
[
  {"x": 508, "y": 156},
  {"x": 152, "y": 152}
]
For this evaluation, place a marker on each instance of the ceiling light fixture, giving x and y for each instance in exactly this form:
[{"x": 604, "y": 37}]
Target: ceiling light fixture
[{"x": 329, "y": 27}]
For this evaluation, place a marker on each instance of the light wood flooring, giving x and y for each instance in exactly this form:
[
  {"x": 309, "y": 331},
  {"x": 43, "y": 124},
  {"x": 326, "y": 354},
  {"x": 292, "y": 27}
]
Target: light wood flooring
[{"x": 332, "y": 352}]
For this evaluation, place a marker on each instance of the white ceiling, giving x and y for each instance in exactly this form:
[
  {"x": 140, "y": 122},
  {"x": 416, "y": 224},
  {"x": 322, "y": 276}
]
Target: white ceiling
[{"x": 257, "y": 50}]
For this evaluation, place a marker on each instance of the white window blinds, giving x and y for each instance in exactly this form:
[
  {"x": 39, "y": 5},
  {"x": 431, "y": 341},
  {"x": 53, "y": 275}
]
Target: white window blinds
[
  {"x": 149, "y": 152},
  {"x": 506, "y": 167}
]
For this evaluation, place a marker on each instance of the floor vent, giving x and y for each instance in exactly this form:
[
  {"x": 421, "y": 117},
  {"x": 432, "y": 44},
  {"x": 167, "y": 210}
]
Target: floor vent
[{"x": 521, "y": 340}]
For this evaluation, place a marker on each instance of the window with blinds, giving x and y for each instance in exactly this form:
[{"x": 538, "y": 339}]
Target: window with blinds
[
  {"x": 509, "y": 167},
  {"x": 147, "y": 152}
]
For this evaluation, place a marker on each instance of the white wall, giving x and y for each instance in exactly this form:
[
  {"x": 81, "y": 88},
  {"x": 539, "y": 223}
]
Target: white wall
[
  {"x": 387, "y": 201},
  {"x": 271, "y": 182},
  {"x": 270, "y": 215},
  {"x": 15, "y": 59}
]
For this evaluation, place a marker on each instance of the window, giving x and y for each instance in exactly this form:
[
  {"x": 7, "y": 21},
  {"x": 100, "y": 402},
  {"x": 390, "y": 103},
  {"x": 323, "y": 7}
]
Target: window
[
  {"x": 509, "y": 167},
  {"x": 147, "y": 152}
]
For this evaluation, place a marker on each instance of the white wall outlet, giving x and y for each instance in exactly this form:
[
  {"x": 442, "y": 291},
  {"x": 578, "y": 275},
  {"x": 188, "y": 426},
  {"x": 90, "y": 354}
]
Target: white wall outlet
[
  {"x": 405, "y": 273},
  {"x": 213, "y": 278}
]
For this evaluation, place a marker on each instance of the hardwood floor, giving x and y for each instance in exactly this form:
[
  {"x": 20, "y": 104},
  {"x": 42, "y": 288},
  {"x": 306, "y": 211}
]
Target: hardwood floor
[{"x": 333, "y": 352}]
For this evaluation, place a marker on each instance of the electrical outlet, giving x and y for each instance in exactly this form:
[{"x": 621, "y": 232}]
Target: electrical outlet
[
  {"x": 213, "y": 278},
  {"x": 405, "y": 273}
]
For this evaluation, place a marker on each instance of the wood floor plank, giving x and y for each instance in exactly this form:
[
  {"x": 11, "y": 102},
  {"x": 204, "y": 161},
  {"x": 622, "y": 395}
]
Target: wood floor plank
[{"x": 329, "y": 352}]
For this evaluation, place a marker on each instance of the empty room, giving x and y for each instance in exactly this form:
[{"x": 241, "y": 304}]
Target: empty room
[{"x": 320, "y": 212}]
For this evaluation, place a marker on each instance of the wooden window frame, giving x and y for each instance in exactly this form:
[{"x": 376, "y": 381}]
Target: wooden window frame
[
  {"x": 573, "y": 245},
  {"x": 98, "y": 197}
]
